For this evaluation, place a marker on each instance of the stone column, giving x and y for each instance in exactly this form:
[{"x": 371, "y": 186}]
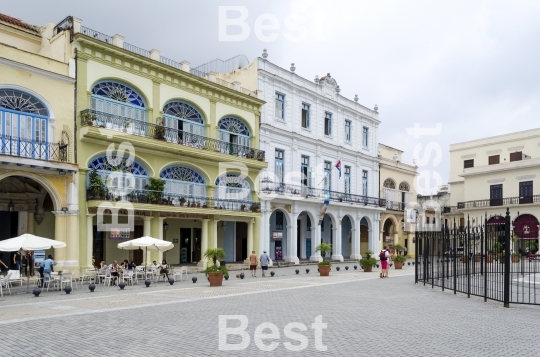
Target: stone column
[
  {"x": 146, "y": 233},
  {"x": 90, "y": 240},
  {"x": 316, "y": 231},
  {"x": 337, "y": 252},
  {"x": 374, "y": 243},
  {"x": 355, "y": 243},
  {"x": 249, "y": 239},
  {"x": 72, "y": 241},
  {"x": 30, "y": 222},
  {"x": 60, "y": 235},
  {"x": 204, "y": 243},
  {"x": 265, "y": 231},
  {"x": 161, "y": 255},
  {"x": 411, "y": 249},
  {"x": 212, "y": 238}
]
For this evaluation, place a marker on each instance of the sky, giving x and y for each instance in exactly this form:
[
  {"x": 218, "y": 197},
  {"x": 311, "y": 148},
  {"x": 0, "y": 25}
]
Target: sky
[{"x": 471, "y": 67}]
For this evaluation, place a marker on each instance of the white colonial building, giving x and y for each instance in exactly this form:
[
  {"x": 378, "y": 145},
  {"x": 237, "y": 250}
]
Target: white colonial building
[{"x": 307, "y": 127}]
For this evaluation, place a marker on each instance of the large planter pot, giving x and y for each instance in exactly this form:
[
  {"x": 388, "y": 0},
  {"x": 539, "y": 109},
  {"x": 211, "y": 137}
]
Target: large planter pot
[
  {"x": 324, "y": 270},
  {"x": 399, "y": 265},
  {"x": 477, "y": 258},
  {"x": 489, "y": 259},
  {"x": 215, "y": 279},
  {"x": 465, "y": 259},
  {"x": 515, "y": 259},
  {"x": 368, "y": 268}
]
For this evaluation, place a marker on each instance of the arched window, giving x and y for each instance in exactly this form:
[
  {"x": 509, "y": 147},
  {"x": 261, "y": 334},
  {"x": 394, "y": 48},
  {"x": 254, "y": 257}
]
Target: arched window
[
  {"x": 404, "y": 186},
  {"x": 389, "y": 183},
  {"x": 113, "y": 170},
  {"x": 184, "y": 181},
  {"x": 186, "y": 120},
  {"x": 231, "y": 189},
  {"x": 23, "y": 125},
  {"x": 232, "y": 130},
  {"x": 117, "y": 100}
]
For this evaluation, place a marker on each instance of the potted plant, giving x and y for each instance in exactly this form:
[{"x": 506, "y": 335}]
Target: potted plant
[
  {"x": 368, "y": 262},
  {"x": 255, "y": 207},
  {"x": 324, "y": 266},
  {"x": 182, "y": 201},
  {"x": 398, "y": 261},
  {"x": 193, "y": 204},
  {"x": 242, "y": 208},
  {"x": 97, "y": 187},
  {"x": 477, "y": 257},
  {"x": 489, "y": 258},
  {"x": 214, "y": 272},
  {"x": 155, "y": 190},
  {"x": 125, "y": 125},
  {"x": 88, "y": 118},
  {"x": 398, "y": 248},
  {"x": 515, "y": 257},
  {"x": 159, "y": 132}
]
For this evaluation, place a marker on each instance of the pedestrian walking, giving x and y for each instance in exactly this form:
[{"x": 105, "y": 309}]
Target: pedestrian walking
[
  {"x": 265, "y": 259},
  {"x": 384, "y": 256},
  {"x": 253, "y": 264},
  {"x": 405, "y": 251}
]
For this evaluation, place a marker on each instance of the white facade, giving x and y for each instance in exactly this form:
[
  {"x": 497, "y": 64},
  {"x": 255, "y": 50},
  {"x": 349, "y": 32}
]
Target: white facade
[{"x": 336, "y": 128}]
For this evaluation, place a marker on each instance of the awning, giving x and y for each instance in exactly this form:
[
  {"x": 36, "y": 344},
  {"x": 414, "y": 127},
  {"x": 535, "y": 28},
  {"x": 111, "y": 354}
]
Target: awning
[{"x": 526, "y": 227}]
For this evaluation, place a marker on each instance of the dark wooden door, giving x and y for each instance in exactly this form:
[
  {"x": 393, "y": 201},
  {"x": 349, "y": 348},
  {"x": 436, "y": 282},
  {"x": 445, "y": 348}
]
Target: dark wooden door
[
  {"x": 185, "y": 245},
  {"x": 241, "y": 241},
  {"x": 298, "y": 246},
  {"x": 496, "y": 195},
  {"x": 138, "y": 255},
  {"x": 526, "y": 192}
]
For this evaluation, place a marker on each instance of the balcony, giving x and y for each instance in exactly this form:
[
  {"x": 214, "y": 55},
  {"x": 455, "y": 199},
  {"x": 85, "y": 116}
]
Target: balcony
[
  {"x": 299, "y": 191},
  {"x": 171, "y": 199},
  {"x": 396, "y": 206},
  {"x": 33, "y": 149},
  {"x": 509, "y": 201},
  {"x": 159, "y": 132}
]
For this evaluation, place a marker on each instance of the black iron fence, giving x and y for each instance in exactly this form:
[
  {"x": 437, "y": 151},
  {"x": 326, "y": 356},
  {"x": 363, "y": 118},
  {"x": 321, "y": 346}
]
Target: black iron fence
[
  {"x": 482, "y": 259},
  {"x": 33, "y": 149},
  {"x": 160, "y": 132},
  {"x": 171, "y": 199},
  {"x": 270, "y": 187}
]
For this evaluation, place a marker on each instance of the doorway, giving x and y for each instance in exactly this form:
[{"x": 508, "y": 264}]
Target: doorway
[
  {"x": 10, "y": 222},
  {"x": 185, "y": 245},
  {"x": 197, "y": 247},
  {"x": 241, "y": 241},
  {"x": 298, "y": 238},
  {"x": 138, "y": 254}
]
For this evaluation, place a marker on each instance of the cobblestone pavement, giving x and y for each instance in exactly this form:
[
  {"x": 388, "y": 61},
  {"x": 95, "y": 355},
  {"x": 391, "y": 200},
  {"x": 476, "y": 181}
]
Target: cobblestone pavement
[{"x": 364, "y": 315}]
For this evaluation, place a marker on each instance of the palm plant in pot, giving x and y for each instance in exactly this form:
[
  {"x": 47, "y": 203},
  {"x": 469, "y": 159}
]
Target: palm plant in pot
[
  {"x": 398, "y": 261},
  {"x": 368, "y": 262},
  {"x": 215, "y": 273},
  {"x": 324, "y": 266}
]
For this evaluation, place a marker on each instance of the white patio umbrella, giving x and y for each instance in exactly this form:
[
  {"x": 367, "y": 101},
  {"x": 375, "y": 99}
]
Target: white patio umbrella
[
  {"x": 29, "y": 242},
  {"x": 148, "y": 243}
]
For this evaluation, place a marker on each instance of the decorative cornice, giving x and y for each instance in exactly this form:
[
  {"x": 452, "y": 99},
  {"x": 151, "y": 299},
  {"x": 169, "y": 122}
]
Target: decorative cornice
[
  {"x": 495, "y": 180},
  {"x": 35, "y": 70},
  {"x": 525, "y": 177},
  {"x": 467, "y": 156},
  {"x": 516, "y": 148},
  {"x": 491, "y": 152}
]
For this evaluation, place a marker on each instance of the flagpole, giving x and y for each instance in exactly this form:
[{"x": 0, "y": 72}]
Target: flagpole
[{"x": 326, "y": 175}]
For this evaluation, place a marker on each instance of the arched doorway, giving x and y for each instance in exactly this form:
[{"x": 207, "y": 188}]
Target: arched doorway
[
  {"x": 234, "y": 136},
  {"x": 26, "y": 206},
  {"x": 389, "y": 229},
  {"x": 305, "y": 235},
  {"x": 364, "y": 235},
  {"x": 526, "y": 231},
  {"x": 186, "y": 122},
  {"x": 346, "y": 236}
]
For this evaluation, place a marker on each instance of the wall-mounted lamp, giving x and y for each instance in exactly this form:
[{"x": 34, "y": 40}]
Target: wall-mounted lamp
[
  {"x": 64, "y": 209},
  {"x": 165, "y": 225},
  {"x": 61, "y": 172},
  {"x": 11, "y": 206}
]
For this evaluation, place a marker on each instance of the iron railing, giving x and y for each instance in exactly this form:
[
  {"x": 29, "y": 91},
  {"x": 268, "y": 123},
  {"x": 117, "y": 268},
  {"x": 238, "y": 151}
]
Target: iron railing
[
  {"x": 198, "y": 73},
  {"x": 32, "y": 149},
  {"x": 269, "y": 187},
  {"x": 141, "y": 128},
  {"x": 396, "y": 206},
  {"x": 171, "y": 199},
  {"x": 97, "y": 35},
  {"x": 508, "y": 201},
  {"x": 65, "y": 25},
  {"x": 140, "y": 51},
  {"x": 169, "y": 62},
  {"x": 481, "y": 259}
]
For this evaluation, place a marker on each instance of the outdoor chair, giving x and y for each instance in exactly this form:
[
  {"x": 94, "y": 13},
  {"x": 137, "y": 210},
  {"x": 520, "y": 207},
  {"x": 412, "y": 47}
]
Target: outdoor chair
[
  {"x": 139, "y": 272},
  {"x": 108, "y": 278},
  {"x": 38, "y": 282},
  {"x": 129, "y": 275},
  {"x": 66, "y": 279},
  {"x": 86, "y": 275},
  {"x": 101, "y": 275},
  {"x": 49, "y": 280},
  {"x": 5, "y": 283},
  {"x": 15, "y": 277},
  {"x": 180, "y": 271}
]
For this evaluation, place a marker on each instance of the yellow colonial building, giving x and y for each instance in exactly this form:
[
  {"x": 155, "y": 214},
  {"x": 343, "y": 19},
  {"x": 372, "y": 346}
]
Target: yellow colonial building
[
  {"x": 164, "y": 151},
  {"x": 38, "y": 174},
  {"x": 398, "y": 188}
]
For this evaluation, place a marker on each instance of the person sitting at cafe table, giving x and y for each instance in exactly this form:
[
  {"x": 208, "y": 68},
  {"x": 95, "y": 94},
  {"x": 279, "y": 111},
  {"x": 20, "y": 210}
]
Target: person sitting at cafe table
[
  {"x": 154, "y": 266},
  {"x": 164, "y": 268},
  {"x": 114, "y": 271}
]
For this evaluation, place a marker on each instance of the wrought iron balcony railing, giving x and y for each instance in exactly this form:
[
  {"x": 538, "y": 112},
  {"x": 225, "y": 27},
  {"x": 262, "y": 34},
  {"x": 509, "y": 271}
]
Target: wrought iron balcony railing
[
  {"x": 508, "y": 201},
  {"x": 32, "y": 149},
  {"x": 269, "y": 187},
  {"x": 396, "y": 206},
  {"x": 171, "y": 199},
  {"x": 160, "y": 132}
]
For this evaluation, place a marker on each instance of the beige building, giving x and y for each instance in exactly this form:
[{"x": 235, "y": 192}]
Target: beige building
[
  {"x": 398, "y": 188},
  {"x": 490, "y": 175},
  {"x": 38, "y": 177}
]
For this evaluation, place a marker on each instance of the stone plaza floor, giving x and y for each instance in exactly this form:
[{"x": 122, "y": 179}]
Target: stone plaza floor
[{"x": 364, "y": 316}]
